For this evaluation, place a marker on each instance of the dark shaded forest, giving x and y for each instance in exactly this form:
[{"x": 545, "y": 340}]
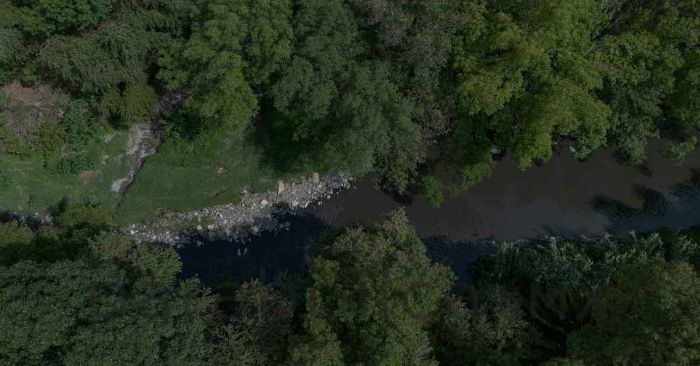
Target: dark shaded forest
[
  {"x": 79, "y": 292},
  {"x": 399, "y": 89}
]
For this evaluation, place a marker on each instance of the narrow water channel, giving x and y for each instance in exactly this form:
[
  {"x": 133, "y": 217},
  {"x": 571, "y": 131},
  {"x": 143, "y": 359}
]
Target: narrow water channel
[{"x": 564, "y": 197}]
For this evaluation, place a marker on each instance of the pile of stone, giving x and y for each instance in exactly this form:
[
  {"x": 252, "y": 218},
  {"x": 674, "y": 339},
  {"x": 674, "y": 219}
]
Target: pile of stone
[{"x": 255, "y": 213}]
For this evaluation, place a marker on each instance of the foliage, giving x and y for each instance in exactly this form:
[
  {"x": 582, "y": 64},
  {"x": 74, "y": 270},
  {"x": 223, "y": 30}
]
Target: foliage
[
  {"x": 647, "y": 53},
  {"x": 418, "y": 39},
  {"x": 234, "y": 45},
  {"x": 528, "y": 74},
  {"x": 561, "y": 280},
  {"x": 372, "y": 294},
  {"x": 340, "y": 111},
  {"x": 71, "y": 164},
  {"x": 5, "y": 181},
  {"x": 79, "y": 123},
  {"x": 655, "y": 304},
  {"x": 83, "y": 312},
  {"x": 260, "y": 325},
  {"x": 64, "y": 15},
  {"x": 680, "y": 149},
  {"x": 134, "y": 104},
  {"x": 161, "y": 263},
  {"x": 492, "y": 331},
  {"x": 50, "y": 137},
  {"x": 639, "y": 74},
  {"x": 432, "y": 188}
]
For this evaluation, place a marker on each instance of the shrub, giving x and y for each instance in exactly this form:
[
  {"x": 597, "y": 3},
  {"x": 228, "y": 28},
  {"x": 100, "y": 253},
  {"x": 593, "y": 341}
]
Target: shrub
[
  {"x": 5, "y": 181},
  {"x": 49, "y": 137},
  {"x": 432, "y": 190},
  {"x": 79, "y": 122},
  {"x": 133, "y": 105},
  {"x": 12, "y": 144},
  {"x": 69, "y": 165}
]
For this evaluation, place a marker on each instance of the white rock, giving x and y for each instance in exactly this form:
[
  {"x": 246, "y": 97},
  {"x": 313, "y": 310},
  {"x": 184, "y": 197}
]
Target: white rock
[
  {"x": 199, "y": 227},
  {"x": 264, "y": 203}
]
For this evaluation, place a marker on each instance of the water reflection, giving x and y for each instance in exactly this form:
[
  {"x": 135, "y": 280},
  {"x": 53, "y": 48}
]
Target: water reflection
[
  {"x": 678, "y": 210},
  {"x": 290, "y": 251},
  {"x": 564, "y": 197}
]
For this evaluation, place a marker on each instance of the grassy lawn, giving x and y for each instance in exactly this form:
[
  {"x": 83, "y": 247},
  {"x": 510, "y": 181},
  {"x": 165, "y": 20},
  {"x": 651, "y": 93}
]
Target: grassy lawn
[
  {"x": 210, "y": 169},
  {"x": 67, "y": 155},
  {"x": 29, "y": 186},
  {"x": 213, "y": 168}
]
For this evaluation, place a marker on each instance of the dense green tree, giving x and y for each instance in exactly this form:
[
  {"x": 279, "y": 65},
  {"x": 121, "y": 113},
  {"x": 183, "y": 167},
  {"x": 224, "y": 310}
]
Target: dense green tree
[
  {"x": 65, "y": 15},
  {"x": 87, "y": 312},
  {"x": 526, "y": 77},
  {"x": 652, "y": 304},
  {"x": 648, "y": 60},
  {"x": 259, "y": 328},
  {"x": 373, "y": 293},
  {"x": 561, "y": 280},
  {"x": 417, "y": 40},
  {"x": 343, "y": 112},
  {"x": 639, "y": 75},
  {"x": 92, "y": 47},
  {"x": 161, "y": 263},
  {"x": 75, "y": 225},
  {"x": 234, "y": 45},
  {"x": 489, "y": 329},
  {"x": 134, "y": 104}
]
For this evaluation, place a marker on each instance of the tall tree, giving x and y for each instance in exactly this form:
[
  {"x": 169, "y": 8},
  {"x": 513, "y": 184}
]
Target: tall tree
[
  {"x": 87, "y": 312},
  {"x": 526, "y": 77},
  {"x": 233, "y": 47},
  {"x": 259, "y": 329},
  {"x": 373, "y": 293},
  {"x": 647, "y": 56},
  {"x": 490, "y": 328},
  {"x": 341, "y": 111},
  {"x": 648, "y": 315}
]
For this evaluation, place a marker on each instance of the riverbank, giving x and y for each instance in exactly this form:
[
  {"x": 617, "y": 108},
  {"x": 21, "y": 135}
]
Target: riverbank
[{"x": 254, "y": 213}]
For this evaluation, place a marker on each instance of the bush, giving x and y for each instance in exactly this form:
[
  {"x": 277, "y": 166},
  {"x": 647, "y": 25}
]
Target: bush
[
  {"x": 69, "y": 165},
  {"x": 49, "y": 137},
  {"x": 432, "y": 190},
  {"x": 12, "y": 144},
  {"x": 135, "y": 104},
  {"x": 79, "y": 122},
  {"x": 5, "y": 181}
]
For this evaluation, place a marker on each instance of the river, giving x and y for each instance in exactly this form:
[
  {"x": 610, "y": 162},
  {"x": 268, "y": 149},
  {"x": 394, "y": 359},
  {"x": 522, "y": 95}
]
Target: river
[{"x": 563, "y": 197}]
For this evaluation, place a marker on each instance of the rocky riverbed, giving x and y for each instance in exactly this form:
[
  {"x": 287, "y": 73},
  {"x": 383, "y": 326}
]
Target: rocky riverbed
[{"x": 255, "y": 213}]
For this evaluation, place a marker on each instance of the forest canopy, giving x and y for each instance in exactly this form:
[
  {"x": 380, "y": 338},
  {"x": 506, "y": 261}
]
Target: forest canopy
[
  {"x": 80, "y": 292},
  {"x": 374, "y": 86}
]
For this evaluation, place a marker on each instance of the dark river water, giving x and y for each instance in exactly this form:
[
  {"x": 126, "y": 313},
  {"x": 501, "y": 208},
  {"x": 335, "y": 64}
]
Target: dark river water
[{"x": 563, "y": 197}]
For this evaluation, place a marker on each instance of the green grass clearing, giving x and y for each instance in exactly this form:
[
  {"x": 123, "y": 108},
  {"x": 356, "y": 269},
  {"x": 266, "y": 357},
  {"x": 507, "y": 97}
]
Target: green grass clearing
[
  {"x": 210, "y": 169},
  {"x": 29, "y": 186}
]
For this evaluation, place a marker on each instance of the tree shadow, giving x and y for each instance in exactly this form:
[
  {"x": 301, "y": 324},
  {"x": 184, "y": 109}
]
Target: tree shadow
[
  {"x": 461, "y": 256},
  {"x": 260, "y": 257},
  {"x": 657, "y": 210}
]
